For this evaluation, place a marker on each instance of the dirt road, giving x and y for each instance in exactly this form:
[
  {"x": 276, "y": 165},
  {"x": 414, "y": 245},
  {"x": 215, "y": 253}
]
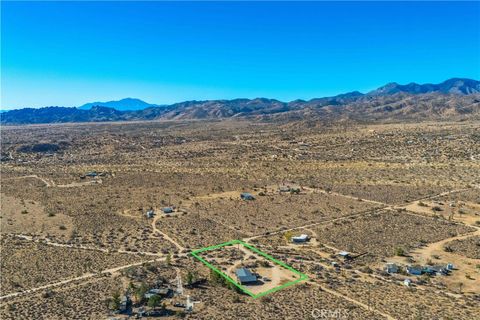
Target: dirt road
[
  {"x": 166, "y": 236},
  {"x": 82, "y": 277}
]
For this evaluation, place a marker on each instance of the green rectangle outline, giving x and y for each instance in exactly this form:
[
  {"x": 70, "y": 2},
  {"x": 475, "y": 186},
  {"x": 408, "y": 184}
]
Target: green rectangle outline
[{"x": 243, "y": 289}]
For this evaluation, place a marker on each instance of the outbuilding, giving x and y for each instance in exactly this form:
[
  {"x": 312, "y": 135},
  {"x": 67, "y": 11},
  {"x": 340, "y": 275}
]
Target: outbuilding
[
  {"x": 415, "y": 270},
  {"x": 150, "y": 213},
  {"x": 245, "y": 276},
  {"x": 91, "y": 174},
  {"x": 167, "y": 210},
  {"x": 391, "y": 268},
  {"x": 300, "y": 238},
  {"x": 247, "y": 196},
  {"x": 438, "y": 270},
  {"x": 125, "y": 303}
]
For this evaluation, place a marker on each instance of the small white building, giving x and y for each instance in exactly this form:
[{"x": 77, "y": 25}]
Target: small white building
[
  {"x": 300, "y": 238},
  {"x": 407, "y": 282},
  {"x": 150, "y": 213}
]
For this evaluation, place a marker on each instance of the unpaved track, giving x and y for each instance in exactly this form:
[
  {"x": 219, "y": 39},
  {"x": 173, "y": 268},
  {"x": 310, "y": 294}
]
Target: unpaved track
[
  {"x": 311, "y": 224},
  {"x": 358, "y": 303},
  {"x": 166, "y": 236},
  {"x": 82, "y": 277},
  {"x": 464, "y": 264},
  {"x": 438, "y": 246},
  {"x": 48, "y": 182}
]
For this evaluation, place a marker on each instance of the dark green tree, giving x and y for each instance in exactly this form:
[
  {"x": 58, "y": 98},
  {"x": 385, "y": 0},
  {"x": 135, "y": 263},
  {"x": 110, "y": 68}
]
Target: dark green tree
[{"x": 154, "y": 301}]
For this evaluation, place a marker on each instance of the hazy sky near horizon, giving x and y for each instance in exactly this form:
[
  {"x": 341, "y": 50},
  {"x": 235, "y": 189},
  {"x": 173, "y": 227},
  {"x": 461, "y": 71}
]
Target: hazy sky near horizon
[{"x": 70, "y": 53}]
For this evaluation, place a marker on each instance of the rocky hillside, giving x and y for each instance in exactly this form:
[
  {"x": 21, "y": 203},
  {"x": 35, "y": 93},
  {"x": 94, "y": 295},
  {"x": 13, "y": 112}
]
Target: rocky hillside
[{"x": 454, "y": 99}]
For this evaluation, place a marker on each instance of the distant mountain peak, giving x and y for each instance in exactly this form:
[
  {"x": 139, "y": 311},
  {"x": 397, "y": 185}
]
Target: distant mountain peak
[
  {"x": 454, "y": 86},
  {"x": 126, "y": 104}
]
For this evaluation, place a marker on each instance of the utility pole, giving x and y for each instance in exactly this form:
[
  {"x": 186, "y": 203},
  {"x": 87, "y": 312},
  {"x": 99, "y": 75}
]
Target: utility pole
[
  {"x": 369, "y": 298},
  {"x": 179, "y": 285}
]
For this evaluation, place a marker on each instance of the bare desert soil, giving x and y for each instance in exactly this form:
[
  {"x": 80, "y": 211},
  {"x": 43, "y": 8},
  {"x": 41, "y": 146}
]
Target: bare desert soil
[
  {"x": 30, "y": 217},
  {"x": 71, "y": 240}
]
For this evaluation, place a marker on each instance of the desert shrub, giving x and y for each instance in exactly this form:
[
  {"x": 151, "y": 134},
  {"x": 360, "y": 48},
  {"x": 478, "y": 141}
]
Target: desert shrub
[
  {"x": 154, "y": 301},
  {"x": 114, "y": 303},
  {"x": 265, "y": 264},
  {"x": 399, "y": 251}
]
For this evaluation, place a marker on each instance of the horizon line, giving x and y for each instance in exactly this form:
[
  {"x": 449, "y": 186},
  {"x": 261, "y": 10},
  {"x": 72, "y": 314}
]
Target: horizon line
[{"x": 230, "y": 99}]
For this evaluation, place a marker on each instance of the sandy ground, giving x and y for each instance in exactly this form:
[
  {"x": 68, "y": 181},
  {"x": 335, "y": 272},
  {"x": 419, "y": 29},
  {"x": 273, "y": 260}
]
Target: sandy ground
[
  {"x": 28, "y": 216},
  {"x": 464, "y": 266},
  {"x": 470, "y": 215},
  {"x": 277, "y": 274}
]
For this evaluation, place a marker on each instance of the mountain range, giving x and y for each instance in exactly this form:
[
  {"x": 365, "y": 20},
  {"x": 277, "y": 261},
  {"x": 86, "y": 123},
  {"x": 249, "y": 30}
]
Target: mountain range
[{"x": 453, "y": 99}]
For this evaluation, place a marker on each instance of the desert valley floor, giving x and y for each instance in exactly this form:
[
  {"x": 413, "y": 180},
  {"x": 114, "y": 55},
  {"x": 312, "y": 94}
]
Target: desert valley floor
[{"x": 92, "y": 212}]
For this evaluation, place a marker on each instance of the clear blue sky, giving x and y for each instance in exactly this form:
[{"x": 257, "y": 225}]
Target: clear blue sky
[{"x": 69, "y": 53}]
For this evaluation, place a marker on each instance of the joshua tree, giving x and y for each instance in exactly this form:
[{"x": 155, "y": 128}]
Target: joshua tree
[
  {"x": 115, "y": 301},
  {"x": 140, "y": 292},
  {"x": 190, "y": 278}
]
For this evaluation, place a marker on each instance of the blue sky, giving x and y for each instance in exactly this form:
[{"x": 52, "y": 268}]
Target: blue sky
[{"x": 69, "y": 53}]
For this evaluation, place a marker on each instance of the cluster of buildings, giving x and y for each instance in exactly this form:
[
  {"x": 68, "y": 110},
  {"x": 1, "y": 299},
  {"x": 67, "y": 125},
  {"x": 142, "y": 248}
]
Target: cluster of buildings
[
  {"x": 139, "y": 310},
  {"x": 281, "y": 189},
  {"x": 93, "y": 174},
  {"x": 417, "y": 270},
  {"x": 166, "y": 210},
  {"x": 285, "y": 189}
]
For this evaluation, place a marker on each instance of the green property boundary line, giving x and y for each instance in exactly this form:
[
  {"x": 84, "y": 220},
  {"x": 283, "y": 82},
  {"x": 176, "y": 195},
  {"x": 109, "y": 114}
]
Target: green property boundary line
[{"x": 195, "y": 254}]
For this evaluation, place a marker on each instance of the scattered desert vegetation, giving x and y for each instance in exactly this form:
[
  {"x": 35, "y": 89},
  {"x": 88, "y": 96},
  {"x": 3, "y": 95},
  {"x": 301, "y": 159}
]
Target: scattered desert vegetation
[
  {"x": 83, "y": 220},
  {"x": 26, "y": 264},
  {"x": 468, "y": 247},
  {"x": 387, "y": 233}
]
